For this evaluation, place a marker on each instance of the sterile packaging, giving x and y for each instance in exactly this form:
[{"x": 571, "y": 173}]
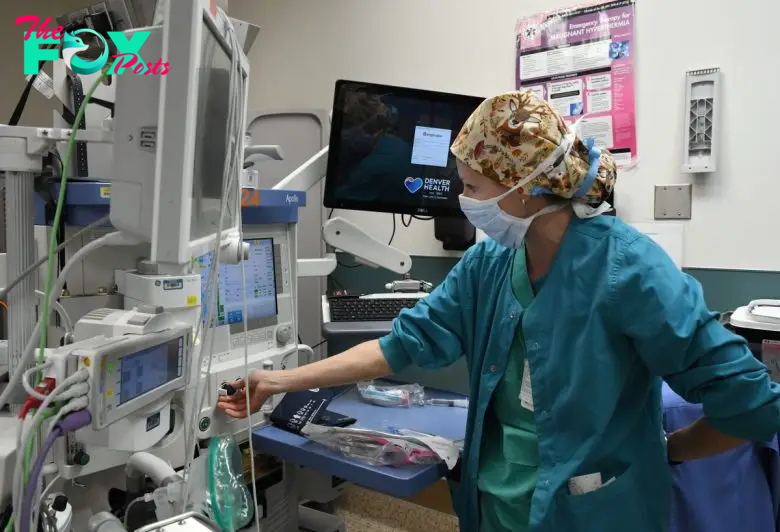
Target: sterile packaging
[
  {"x": 223, "y": 495},
  {"x": 402, "y": 396},
  {"x": 384, "y": 448}
]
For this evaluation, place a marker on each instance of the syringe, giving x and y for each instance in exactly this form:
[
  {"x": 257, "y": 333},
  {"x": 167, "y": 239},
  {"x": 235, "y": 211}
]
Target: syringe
[{"x": 461, "y": 403}]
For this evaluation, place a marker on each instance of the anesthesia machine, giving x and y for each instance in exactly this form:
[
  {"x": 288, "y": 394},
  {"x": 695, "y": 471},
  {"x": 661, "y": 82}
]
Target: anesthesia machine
[
  {"x": 143, "y": 276},
  {"x": 133, "y": 293}
]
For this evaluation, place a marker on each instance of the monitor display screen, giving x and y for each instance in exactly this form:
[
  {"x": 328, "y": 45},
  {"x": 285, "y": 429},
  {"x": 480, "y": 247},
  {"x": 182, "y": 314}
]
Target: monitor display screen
[
  {"x": 146, "y": 370},
  {"x": 390, "y": 149},
  {"x": 260, "y": 286},
  {"x": 211, "y": 140}
]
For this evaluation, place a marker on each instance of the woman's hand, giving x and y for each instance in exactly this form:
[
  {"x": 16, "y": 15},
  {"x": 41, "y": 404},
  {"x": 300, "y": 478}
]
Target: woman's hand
[
  {"x": 363, "y": 362},
  {"x": 259, "y": 388}
]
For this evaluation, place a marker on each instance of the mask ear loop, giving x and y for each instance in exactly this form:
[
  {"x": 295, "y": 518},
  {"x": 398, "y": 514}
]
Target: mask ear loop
[
  {"x": 561, "y": 151},
  {"x": 594, "y": 157}
]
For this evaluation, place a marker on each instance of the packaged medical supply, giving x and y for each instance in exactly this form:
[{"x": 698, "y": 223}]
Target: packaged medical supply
[
  {"x": 384, "y": 448},
  {"x": 403, "y": 396}
]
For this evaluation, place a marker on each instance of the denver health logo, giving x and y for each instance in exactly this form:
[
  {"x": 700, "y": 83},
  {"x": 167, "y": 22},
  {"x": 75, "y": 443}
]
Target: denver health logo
[
  {"x": 127, "y": 57},
  {"x": 413, "y": 184}
]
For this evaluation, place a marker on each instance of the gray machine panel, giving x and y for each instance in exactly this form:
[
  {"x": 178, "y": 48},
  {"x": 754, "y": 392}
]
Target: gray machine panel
[
  {"x": 300, "y": 133},
  {"x": 152, "y": 365}
]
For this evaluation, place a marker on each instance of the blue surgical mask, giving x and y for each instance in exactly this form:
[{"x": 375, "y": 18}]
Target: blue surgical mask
[{"x": 502, "y": 227}]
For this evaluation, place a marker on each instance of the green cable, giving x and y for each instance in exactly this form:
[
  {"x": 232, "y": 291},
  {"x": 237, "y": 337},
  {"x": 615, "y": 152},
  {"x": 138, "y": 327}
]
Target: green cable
[{"x": 57, "y": 216}]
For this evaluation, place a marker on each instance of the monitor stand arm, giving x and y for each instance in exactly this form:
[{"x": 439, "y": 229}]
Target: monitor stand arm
[{"x": 340, "y": 233}]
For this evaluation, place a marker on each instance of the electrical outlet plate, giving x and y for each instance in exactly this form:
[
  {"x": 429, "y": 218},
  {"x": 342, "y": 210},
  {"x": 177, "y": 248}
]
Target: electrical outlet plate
[{"x": 673, "y": 202}]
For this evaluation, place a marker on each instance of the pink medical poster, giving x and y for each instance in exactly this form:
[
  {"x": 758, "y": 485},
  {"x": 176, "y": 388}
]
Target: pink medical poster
[{"x": 581, "y": 60}]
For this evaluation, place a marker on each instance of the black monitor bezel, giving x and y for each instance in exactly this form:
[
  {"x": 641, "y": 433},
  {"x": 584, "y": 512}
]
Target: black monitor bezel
[{"x": 331, "y": 202}]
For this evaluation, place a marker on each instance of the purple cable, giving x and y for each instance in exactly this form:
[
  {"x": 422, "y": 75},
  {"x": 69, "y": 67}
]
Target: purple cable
[{"x": 69, "y": 423}]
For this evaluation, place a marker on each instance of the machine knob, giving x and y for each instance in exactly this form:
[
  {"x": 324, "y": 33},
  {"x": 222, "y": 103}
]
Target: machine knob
[
  {"x": 81, "y": 458},
  {"x": 60, "y": 503},
  {"x": 283, "y": 335}
]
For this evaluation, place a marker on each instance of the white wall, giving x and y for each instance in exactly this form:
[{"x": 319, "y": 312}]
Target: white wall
[{"x": 468, "y": 47}]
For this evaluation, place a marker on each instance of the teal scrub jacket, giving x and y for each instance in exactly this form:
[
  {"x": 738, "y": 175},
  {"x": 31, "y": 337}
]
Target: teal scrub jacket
[{"x": 615, "y": 316}]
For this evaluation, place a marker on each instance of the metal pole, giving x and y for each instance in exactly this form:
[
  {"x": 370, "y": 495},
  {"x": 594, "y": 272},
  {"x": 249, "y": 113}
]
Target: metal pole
[{"x": 20, "y": 245}]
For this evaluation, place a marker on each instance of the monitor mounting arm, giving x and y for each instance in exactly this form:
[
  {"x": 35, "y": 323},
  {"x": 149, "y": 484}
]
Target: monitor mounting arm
[{"x": 339, "y": 233}]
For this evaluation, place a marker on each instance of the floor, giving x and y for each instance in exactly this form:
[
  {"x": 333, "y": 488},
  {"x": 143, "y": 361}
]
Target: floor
[{"x": 368, "y": 511}]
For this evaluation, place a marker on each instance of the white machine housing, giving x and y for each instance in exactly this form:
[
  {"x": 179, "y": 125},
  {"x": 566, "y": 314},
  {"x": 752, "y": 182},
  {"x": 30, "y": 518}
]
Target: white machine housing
[
  {"x": 104, "y": 338},
  {"x": 179, "y": 295},
  {"x": 156, "y": 146},
  {"x": 272, "y": 339}
]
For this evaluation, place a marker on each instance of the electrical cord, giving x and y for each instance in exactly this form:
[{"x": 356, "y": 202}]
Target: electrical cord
[
  {"x": 211, "y": 289},
  {"x": 44, "y": 494},
  {"x": 40, "y": 495},
  {"x": 26, "y": 452},
  {"x": 78, "y": 404},
  {"x": 42, "y": 260},
  {"x": 315, "y": 346},
  {"x": 392, "y": 235},
  {"x": 80, "y": 376},
  {"x": 230, "y": 176},
  {"x": 74, "y": 405},
  {"x": 29, "y": 350},
  {"x": 115, "y": 239},
  {"x": 58, "y": 213},
  {"x": 72, "y": 422},
  {"x": 229, "y": 180},
  {"x": 16, "y": 116},
  {"x": 50, "y": 485},
  {"x": 245, "y": 310},
  {"x": 29, "y": 388},
  {"x": 63, "y": 314},
  {"x": 414, "y": 217},
  {"x": 147, "y": 497}
]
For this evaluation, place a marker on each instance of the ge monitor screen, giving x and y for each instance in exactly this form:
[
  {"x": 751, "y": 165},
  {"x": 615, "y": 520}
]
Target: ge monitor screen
[
  {"x": 146, "y": 370},
  {"x": 390, "y": 149},
  {"x": 260, "y": 287}
]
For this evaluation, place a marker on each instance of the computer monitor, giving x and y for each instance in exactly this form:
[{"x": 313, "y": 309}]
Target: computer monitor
[
  {"x": 390, "y": 149},
  {"x": 210, "y": 140},
  {"x": 170, "y": 138},
  {"x": 261, "y": 288}
]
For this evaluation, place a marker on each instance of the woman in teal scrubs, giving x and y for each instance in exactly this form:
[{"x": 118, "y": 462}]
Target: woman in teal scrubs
[{"x": 568, "y": 320}]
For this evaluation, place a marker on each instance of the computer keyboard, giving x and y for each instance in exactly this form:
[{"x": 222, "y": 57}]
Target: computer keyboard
[{"x": 355, "y": 308}]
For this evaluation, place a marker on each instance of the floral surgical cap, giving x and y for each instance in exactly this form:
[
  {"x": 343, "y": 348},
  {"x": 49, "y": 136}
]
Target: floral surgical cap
[{"x": 510, "y": 135}]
